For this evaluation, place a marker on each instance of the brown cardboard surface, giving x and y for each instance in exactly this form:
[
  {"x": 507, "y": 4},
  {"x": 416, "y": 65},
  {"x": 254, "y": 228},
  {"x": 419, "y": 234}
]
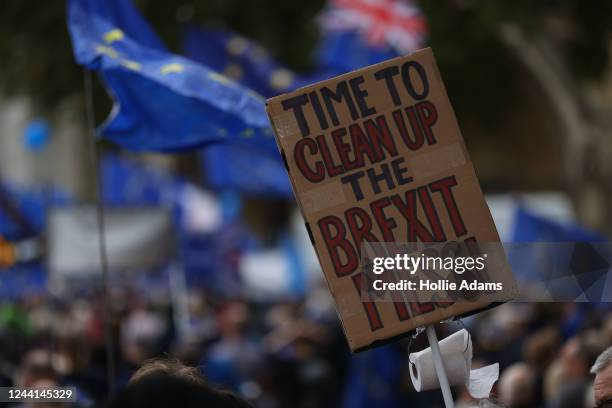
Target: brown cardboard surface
[{"x": 403, "y": 126}]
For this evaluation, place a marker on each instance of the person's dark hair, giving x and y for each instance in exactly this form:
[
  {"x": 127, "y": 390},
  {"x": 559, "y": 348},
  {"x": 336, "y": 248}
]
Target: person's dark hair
[
  {"x": 169, "y": 383},
  {"x": 167, "y": 368}
]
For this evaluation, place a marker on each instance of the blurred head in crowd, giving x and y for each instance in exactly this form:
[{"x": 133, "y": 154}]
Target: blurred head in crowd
[
  {"x": 565, "y": 381},
  {"x": 602, "y": 386},
  {"x": 141, "y": 336},
  {"x": 487, "y": 403},
  {"x": 504, "y": 325},
  {"x": 232, "y": 319},
  {"x": 37, "y": 371},
  {"x": 166, "y": 383},
  {"x": 167, "y": 368},
  {"x": 553, "y": 380},
  {"x": 579, "y": 353},
  {"x": 517, "y": 386},
  {"x": 607, "y": 329},
  {"x": 540, "y": 348}
]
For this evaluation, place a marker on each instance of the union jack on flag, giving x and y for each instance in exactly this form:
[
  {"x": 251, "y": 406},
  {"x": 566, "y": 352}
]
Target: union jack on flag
[{"x": 397, "y": 23}]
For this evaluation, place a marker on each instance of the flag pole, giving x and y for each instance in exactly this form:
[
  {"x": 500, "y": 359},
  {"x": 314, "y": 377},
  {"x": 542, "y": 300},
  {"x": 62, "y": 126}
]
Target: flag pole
[
  {"x": 439, "y": 366},
  {"x": 106, "y": 308}
]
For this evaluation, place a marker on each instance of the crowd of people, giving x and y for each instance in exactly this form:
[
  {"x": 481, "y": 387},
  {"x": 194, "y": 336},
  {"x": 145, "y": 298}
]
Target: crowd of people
[{"x": 292, "y": 353}]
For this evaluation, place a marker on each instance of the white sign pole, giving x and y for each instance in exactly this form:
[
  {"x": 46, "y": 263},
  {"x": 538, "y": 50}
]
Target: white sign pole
[{"x": 439, "y": 366}]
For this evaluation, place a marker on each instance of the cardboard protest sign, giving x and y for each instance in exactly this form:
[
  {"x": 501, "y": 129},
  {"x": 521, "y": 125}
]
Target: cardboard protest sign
[{"x": 377, "y": 155}]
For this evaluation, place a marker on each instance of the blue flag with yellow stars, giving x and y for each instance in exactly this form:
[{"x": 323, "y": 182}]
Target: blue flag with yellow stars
[
  {"x": 163, "y": 102},
  {"x": 243, "y": 169},
  {"x": 245, "y": 61},
  {"x": 246, "y": 171},
  {"x": 344, "y": 51},
  {"x": 239, "y": 58}
]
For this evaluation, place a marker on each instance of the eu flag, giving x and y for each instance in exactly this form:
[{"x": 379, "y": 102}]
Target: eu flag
[
  {"x": 130, "y": 183},
  {"x": 163, "y": 101},
  {"x": 531, "y": 227},
  {"x": 562, "y": 262},
  {"x": 345, "y": 50},
  {"x": 245, "y": 61},
  {"x": 23, "y": 210},
  {"x": 239, "y": 58},
  {"x": 245, "y": 169}
]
